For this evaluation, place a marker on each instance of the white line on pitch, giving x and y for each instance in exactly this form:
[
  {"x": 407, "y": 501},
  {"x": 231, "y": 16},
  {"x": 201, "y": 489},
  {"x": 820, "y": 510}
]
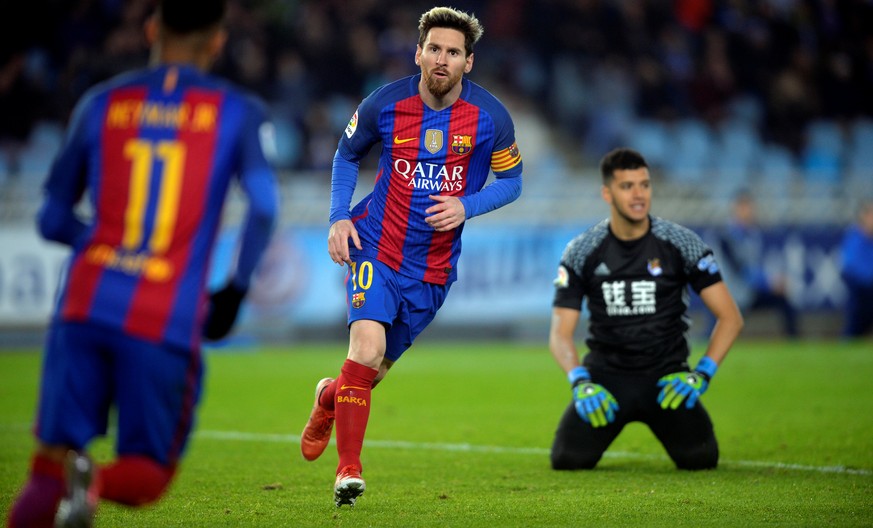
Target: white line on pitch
[{"x": 539, "y": 451}]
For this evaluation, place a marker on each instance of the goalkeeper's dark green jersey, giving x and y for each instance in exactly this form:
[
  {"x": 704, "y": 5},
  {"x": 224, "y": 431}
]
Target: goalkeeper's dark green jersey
[{"x": 636, "y": 292}]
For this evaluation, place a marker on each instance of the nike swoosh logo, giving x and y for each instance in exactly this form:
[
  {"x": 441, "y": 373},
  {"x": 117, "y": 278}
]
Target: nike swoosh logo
[
  {"x": 398, "y": 141},
  {"x": 344, "y": 387}
]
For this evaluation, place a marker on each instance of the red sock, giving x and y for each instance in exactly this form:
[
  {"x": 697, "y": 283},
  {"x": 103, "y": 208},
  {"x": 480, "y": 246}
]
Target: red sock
[
  {"x": 352, "y": 400},
  {"x": 134, "y": 480},
  {"x": 38, "y": 501},
  {"x": 327, "y": 398}
]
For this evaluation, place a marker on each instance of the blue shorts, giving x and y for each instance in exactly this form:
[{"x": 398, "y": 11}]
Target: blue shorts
[
  {"x": 376, "y": 292},
  {"x": 88, "y": 368}
]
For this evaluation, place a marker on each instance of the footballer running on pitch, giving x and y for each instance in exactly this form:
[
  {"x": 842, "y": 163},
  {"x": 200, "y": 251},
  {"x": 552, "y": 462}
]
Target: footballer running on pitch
[{"x": 440, "y": 137}]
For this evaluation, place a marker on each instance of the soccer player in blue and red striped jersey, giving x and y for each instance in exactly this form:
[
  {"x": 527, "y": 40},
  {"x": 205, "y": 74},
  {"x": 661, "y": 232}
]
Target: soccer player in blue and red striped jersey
[
  {"x": 440, "y": 136},
  {"x": 156, "y": 151}
]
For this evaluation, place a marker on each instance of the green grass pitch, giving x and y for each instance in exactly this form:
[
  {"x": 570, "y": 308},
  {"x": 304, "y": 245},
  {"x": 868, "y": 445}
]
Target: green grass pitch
[{"x": 459, "y": 436}]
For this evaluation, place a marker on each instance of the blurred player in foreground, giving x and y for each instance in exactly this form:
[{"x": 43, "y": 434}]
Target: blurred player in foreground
[
  {"x": 155, "y": 150},
  {"x": 440, "y": 134},
  {"x": 856, "y": 269},
  {"x": 634, "y": 270}
]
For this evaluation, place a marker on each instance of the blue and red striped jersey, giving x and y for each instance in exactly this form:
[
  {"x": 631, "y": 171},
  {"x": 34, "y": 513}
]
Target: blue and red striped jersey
[
  {"x": 428, "y": 152},
  {"x": 156, "y": 150}
]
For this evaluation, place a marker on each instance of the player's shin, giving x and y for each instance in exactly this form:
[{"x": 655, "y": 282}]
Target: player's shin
[
  {"x": 352, "y": 407},
  {"x": 38, "y": 500}
]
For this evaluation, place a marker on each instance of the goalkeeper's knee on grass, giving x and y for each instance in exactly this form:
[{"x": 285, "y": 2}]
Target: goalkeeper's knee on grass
[
  {"x": 704, "y": 456},
  {"x": 571, "y": 459}
]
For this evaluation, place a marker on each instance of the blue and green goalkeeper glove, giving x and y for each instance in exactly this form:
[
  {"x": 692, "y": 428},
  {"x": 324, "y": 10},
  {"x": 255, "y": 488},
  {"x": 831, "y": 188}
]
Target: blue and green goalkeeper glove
[
  {"x": 594, "y": 404},
  {"x": 686, "y": 386}
]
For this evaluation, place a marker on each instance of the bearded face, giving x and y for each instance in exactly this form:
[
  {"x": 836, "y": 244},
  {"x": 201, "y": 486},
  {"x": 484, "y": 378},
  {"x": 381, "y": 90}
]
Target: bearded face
[
  {"x": 440, "y": 81},
  {"x": 443, "y": 61}
]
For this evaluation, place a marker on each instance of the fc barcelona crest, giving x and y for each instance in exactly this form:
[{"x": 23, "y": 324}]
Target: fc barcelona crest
[
  {"x": 358, "y": 300},
  {"x": 433, "y": 140},
  {"x": 462, "y": 144}
]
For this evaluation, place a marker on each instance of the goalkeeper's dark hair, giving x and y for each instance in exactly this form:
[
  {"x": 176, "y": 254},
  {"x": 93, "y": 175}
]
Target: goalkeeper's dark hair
[
  {"x": 189, "y": 16},
  {"x": 620, "y": 159}
]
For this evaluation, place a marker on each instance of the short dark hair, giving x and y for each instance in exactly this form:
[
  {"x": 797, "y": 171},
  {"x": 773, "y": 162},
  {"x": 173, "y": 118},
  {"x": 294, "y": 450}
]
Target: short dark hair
[
  {"x": 620, "y": 159},
  {"x": 447, "y": 17},
  {"x": 187, "y": 16}
]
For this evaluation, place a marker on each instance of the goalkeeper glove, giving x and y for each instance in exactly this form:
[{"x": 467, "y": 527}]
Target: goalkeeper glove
[
  {"x": 223, "y": 309},
  {"x": 686, "y": 386},
  {"x": 594, "y": 404}
]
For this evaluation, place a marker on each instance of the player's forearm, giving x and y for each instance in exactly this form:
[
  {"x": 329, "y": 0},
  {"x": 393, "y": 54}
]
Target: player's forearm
[
  {"x": 498, "y": 193},
  {"x": 729, "y": 320},
  {"x": 343, "y": 179},
  {"x": 562, "y": 345},
  {"x": 58, "y": 222},
  {"x": 565, "y": 354},
  {"x": 561, "y": 337},
  {"x": 261, "y": 217},
  {"x": 255, "y": 240},
  {"x": 725, "y": 332}
]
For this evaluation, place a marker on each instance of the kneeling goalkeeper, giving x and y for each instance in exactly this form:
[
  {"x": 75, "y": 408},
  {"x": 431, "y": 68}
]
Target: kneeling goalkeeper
[{"x": 634, "y": 270}]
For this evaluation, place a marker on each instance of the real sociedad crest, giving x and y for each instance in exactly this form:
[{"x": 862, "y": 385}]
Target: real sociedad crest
[
  {"x": 654, "y": 267},
  {"x": 462, "y": 144},
  {"x": 433, "y": 140}
]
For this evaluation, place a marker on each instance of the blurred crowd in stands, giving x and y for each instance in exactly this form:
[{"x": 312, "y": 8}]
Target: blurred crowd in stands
[{"x": 701, "y": 87}]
